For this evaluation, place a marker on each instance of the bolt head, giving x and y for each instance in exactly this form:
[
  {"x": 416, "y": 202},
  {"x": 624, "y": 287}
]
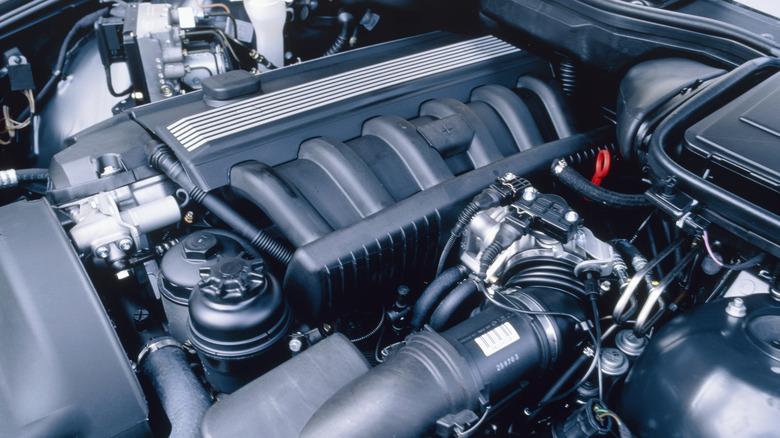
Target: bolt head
[
  {"x": 125, "y": 244},
  {"x": 102, "y": 252},
  {"x": 529, "y": 194},
  {"x": 572, "y": 216},
  {"x": 295, "y": 345}
]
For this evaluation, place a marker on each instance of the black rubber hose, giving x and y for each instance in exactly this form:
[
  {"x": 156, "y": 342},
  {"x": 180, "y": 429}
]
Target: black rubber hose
[
  {"x": 436, "y": 374},
  {"x": 32, "y": 174},
  {"x": 12, "y": 177},
  {"x": 572, "y": 179},
  {"x": 628, "y": 249},
  {"x": 347, "y": 21},
  {"x": 404, "y": 396},
  {"x": 183, "y": 398},
  {"x": 162, "y": 159},
  {"x": 433, "y": 293},
  {"x": 451, "y": 303}
]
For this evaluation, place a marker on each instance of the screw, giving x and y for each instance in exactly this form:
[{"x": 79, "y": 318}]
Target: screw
[
  {"x": 295, "y": 345},
  {"x": 141, "y": 316},
  {"x": 529, "y": 194},
  {"x": 102, "y": 252},
  {"x": 166, "y": 90},
  {"x": 572, "y": 216},
  {"x": 125, "y": 244},
  {"x": 189, "y": 217}
]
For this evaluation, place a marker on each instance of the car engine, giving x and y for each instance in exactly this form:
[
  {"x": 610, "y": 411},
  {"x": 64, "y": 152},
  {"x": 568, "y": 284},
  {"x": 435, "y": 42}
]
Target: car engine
[{"x": 354, "y": 218}]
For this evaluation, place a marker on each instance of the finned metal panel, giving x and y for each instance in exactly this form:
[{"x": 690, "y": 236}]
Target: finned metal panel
[{"x": 197, "y": 130}]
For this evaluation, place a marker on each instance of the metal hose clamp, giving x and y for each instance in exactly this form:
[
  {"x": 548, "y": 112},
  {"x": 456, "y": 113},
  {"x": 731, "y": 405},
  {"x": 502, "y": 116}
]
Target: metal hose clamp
[{"x": 157, "y": 345}]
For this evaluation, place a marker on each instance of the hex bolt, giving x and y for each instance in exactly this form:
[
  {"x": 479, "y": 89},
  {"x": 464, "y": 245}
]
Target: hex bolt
[
  {"x": 295, "y": 345},
  {"x": 529, "y": 194},
  {"x": 102, "y": 252},
  {"x": 736, "y": 308},
  {"x": 166, "y": 90},
  {"x": 572, "y": 216},
  {"x": 125, "y": 244}
]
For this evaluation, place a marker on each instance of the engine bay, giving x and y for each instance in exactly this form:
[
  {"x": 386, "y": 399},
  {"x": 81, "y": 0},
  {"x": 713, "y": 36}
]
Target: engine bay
[{"x": 385, "y": 218}]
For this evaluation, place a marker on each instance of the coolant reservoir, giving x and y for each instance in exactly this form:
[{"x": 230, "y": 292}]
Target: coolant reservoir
[{"x": 268, "y": 18}]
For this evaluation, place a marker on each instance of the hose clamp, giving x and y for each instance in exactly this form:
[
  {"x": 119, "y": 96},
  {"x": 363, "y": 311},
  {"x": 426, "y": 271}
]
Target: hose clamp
[
  {"x": 157, "y": 345},
  {"x": 545, "y": 321},
  {"x": 559, "y": 166}
]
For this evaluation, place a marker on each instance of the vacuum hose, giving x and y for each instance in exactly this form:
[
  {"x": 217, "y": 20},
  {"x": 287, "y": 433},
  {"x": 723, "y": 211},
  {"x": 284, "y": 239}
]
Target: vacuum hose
[{"x": 572, "y": 179}]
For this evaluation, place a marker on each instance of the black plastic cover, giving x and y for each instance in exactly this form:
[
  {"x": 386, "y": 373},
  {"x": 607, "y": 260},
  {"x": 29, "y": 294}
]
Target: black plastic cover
[
  {"x": 238, "y": 318},
  {"x": 744, "y": 136},
  {"x": 21, "y": 77},
  {"x": 353, "y": 265},
  {"x": 79, "y": 169},
  {"x": 280, "y": 402},
  {"x": 330, "y": 97},
  {"x": 715, "y": 375},
  {"x": 231, "y": 84},
  {"x": 649, "y": 86},
  {"x": 62, "y": 369},
  {"x": 181, "y": 265},
  {"x": 614, "y": 35}
]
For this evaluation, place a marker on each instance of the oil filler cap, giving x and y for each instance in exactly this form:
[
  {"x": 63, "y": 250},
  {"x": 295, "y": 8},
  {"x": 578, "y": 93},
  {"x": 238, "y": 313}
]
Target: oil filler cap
[{"x": 230, "y": 85}]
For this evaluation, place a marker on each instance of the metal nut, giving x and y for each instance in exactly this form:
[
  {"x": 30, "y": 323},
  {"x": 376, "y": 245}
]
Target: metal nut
[{"x": 736, "y": 308}]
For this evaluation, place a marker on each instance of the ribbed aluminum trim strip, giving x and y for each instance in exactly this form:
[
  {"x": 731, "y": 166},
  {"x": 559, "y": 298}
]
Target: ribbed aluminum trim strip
[{"x": 197, "y": 130}]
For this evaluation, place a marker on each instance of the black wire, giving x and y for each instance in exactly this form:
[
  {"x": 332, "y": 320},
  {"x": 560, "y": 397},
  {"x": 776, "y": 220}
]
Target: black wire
[
  {"x": 379, "y": 344},
  {"x": 597, "y": 328},
  {"x": 511, "y": 300},
  {"x": 372, "y": 332},
  {"x": 85, "y": 22},
  {"x": 110, "y": 84}
]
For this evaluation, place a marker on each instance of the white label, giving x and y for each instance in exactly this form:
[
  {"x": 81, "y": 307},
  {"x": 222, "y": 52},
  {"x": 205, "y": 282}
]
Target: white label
[
  {"x": 186, "y": 18},
  {"x": 244, "y": 30},
  {"x": 496, "y": 339}
]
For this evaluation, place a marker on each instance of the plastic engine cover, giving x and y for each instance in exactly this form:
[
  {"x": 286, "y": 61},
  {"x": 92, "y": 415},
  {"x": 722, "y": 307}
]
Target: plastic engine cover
[
  {"x": 58, "y": 351},
  {"x": 710, "y": 374}
]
